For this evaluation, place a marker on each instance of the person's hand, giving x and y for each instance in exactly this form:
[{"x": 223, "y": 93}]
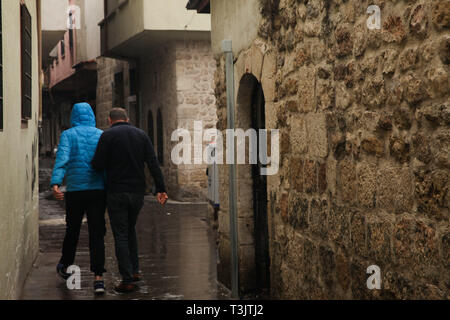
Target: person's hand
[
  {"x": 57, "y": 193},
  {"x": 162, "y": 198}
]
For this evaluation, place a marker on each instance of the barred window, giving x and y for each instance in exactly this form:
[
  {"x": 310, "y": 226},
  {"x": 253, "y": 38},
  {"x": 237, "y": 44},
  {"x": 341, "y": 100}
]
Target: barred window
[{"x": 26, "y": 40}]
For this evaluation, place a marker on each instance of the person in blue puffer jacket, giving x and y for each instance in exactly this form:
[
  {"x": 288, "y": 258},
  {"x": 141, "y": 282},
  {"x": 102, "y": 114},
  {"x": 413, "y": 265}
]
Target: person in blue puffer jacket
[{"x": 85, "y": 192}]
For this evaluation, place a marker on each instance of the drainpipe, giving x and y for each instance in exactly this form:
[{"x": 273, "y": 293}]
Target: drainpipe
[{"x": 227, "y": 49}]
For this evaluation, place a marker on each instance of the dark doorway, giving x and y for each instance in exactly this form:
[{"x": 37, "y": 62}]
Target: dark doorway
[
  {"x": 160, "y": 137},
  {"x": 260, "y": 199},
  {"x": 151, "y": 127}
]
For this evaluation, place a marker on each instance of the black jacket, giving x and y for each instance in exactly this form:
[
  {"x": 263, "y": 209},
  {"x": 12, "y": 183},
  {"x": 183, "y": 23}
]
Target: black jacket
[{"x": 122, "y": 152}]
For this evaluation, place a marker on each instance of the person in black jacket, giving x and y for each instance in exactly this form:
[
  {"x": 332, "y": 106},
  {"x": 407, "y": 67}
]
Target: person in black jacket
[{"x": 122, "y": 153}]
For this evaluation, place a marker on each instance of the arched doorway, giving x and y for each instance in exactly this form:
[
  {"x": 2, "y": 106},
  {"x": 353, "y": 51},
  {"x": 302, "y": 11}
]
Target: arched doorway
[
  {"x": 260, "y": 198},
  {"x": 250, "y": 114},
  {"x": 160, "y": 137}
]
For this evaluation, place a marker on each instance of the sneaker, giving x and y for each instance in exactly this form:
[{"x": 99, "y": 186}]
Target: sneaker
[
  {"x": 124, "y": 287},
  {"x": 62, "y": 271},
  {"x": 99, "y": 287}
]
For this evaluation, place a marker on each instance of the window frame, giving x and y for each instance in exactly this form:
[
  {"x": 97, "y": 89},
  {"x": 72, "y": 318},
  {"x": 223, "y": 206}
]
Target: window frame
[{"x": 26, "y": 110}]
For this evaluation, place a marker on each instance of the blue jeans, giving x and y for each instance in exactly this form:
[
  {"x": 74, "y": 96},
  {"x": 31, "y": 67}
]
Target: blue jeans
[{"x": 123, "y": 210}]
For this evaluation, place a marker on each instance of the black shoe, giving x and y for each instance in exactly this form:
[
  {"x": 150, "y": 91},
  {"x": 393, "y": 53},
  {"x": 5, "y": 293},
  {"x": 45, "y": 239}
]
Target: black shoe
[
  {"x": 99, "y": 287},
  {"x": 62, "y": 271},
  {"x": 125, "y": 287},
  {"x": 136, "y": 277}
]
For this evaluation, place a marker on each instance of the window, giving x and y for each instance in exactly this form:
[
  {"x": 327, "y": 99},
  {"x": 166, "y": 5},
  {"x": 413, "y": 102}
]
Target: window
[
  {"x": 119, "y": 98},
  {"x": 160, "y": 137},
  {"x": 1, "y": 70},
  {"x": 25, "y": 19}
]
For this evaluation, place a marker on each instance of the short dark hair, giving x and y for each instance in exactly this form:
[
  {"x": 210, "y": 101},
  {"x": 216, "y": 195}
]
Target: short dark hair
[{"x": 118, "y": 114}]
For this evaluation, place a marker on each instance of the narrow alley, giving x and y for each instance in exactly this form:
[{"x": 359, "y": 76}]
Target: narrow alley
[
  {"x": 303, "y": 147},
  {"x": 177, "y": 255}
]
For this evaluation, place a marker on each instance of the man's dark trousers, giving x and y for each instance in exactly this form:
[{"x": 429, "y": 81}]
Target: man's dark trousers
[
  {"x": 123, "y": 210},
  {"x": 93, "y": 203}
]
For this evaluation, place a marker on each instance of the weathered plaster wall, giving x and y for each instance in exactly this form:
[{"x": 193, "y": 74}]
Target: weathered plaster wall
[
  {"x": 236, "y": 20},
  {"x": 364, "y": 121},
  {"x": 19, "y": 238}
]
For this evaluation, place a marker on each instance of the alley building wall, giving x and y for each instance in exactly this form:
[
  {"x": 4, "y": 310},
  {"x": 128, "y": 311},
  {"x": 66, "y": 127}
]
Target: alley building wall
[
  {"x": 19, "y": 238},
  {"x": 175, "y": 84},
  {"x": 364, "y": 145}
]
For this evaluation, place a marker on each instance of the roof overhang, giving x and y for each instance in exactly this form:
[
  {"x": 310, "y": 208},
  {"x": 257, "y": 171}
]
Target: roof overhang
[
  {"x": 141, "y": 44},
  {"x": 202, "y": 6}
]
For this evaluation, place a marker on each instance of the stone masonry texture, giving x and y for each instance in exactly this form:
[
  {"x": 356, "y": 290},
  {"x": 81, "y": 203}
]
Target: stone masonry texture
[
  {"x": 364, "y": 120},
  {"x": 177, "y": 80}
]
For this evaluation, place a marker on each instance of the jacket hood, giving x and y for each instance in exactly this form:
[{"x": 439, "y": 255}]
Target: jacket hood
[{"x": 82, "y": 115}]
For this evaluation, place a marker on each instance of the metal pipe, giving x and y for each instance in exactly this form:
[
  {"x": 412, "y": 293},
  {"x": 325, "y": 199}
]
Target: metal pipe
[{"x": 227, "y": 49}]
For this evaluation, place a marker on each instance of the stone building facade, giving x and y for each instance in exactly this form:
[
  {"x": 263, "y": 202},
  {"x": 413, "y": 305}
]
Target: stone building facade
[
  {"x": 175, "y": 87},
  {"x": 364, "y": 149}
]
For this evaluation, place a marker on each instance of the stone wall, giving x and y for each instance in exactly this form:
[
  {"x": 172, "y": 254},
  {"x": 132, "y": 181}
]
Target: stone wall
[
  {"x": 364, "y": 122},
  {"x": 195, "y": 69},
  {"x": 106, "y": 69},
  {"x": 176, "y": 79}
]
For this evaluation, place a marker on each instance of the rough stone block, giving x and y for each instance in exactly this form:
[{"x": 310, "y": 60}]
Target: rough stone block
[
  {"x": 426, "y": 245},
  {"x": 431, "y": 191},
  {"x": 403, "y": 243},
  {"x": 395, "y": 189},
  {"x": 298, "y": 211},
  {"x": 268, "y": 76},
  {"x": 306, "y": 90},
  {"x": 327, "y": 267},
  {"x": 339, "y": 224},
  {"x": 441, "y": 14},
  {"x": 296, "y": 174},
  {"x": 322, "y": 177},
  {"x": 347, "y": 183},
  {"x": 317, "y": 135},
  {"x": 298, "y": 135},
  {"x": 343, "y": 269},
  {"x": 393, "y": 29},
  {"x": 445, "y": 242},
  {"x": 379, "y": 232},
  {"x": 319, "y": 218},
  {"x": 367, "y": 184},
  {"x": 374, "y": 146},
  {"x": 310, "y": 171},
  {"x": 358, "y": 233}
]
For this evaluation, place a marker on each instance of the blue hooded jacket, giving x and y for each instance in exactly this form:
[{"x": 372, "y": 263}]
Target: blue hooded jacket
[{"x": 75, "y": 152}]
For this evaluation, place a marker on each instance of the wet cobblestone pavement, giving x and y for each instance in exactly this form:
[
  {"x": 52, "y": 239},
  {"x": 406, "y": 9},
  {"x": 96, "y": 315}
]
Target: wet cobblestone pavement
[{"x": 177, "y": 256}]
